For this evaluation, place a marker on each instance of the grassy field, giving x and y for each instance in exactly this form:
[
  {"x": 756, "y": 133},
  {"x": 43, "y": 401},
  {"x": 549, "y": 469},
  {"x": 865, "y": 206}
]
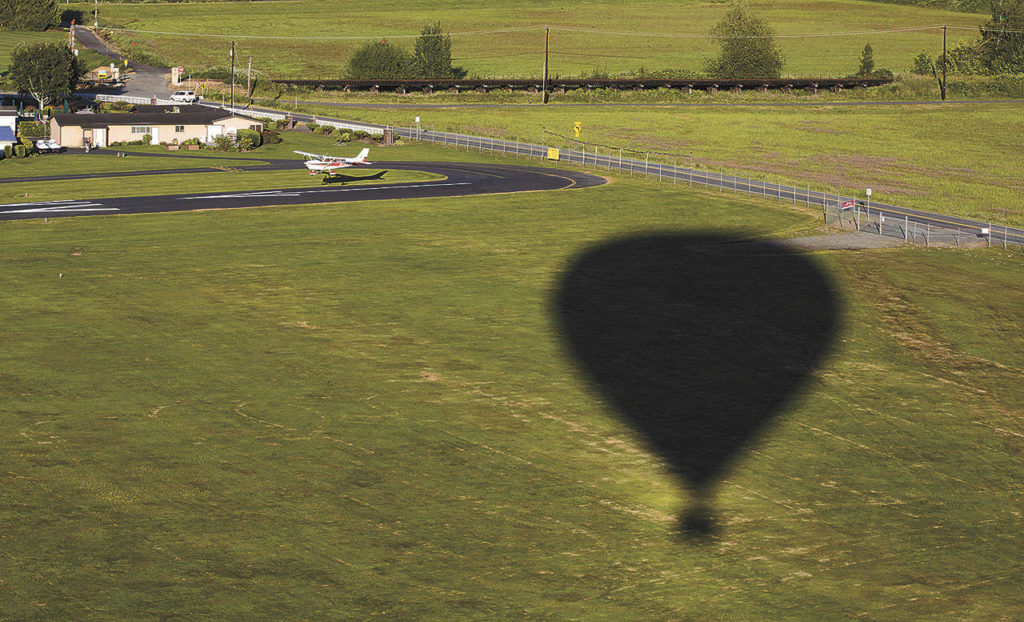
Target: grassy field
[
  {"x": 506, "y": 38},
  {"x": 11, "y": 39},
  {"x": 914, "y": 156},
  {"x": 367, "y": 411}
]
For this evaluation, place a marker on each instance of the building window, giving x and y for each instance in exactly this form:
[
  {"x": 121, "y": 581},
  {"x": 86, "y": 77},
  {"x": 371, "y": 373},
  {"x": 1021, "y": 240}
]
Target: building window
[
  {"x": 255, "y": 128},
  {"x": 141, "y": 129},
  {"x": 179, "y": 129}
]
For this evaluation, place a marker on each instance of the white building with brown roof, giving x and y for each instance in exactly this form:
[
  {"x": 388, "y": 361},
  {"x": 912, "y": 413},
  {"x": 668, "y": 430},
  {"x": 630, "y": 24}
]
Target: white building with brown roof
[{"x": 164, "y": 124}]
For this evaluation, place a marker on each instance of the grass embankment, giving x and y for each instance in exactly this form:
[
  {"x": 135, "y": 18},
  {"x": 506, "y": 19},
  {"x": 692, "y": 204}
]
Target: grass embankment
[
  {"x": 661, "y": 35},
  {"x": 322, "y": 412},
  {"x": 963, "y": 159}
]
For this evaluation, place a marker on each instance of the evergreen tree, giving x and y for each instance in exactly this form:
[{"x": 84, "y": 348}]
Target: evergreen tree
[
  {"x": 433, "y": 53},
  {"x": 46, "y": 71},
  {"x": 28, "y": 14},
  {"x": 748, "y": 47},
  {"x": 867, "y": 62}
]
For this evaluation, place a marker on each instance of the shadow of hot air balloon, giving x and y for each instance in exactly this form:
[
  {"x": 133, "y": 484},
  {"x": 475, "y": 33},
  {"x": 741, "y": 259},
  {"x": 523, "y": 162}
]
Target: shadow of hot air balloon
[{"x": 697, "y": 341}]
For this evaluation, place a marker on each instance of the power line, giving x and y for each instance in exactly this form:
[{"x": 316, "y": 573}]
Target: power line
[{"x": 316, "y": 37}]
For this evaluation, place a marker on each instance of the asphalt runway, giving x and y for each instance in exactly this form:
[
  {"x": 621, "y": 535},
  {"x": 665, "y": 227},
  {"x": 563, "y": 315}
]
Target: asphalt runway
[{"x": 462, "y": 179}]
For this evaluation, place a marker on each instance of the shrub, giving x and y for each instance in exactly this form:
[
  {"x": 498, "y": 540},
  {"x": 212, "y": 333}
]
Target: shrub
[
  {"x": 8, "y": 151},
  {"x": 922, "y": 64},
  {"x": 147, "y": 139},
  {"x": 224, "y": 142},
  {"x": 248, "y": 140},
  {"x": 313, "y": 128},
  {"x": 377, "y": 137},
  {"x": 380, "y": 60},
  {"x": 270, "y": 137},
  {"x": 32, "y": 128},
  {"x": 19, "y": 151},
  {"x": 358, "y": 134}
]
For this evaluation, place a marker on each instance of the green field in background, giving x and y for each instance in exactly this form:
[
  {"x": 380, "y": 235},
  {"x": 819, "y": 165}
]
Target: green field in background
[{"x": 317, "y": 38}]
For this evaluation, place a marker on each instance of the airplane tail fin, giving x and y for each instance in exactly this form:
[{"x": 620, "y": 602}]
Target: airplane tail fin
[{"x": 362, "y": 155}]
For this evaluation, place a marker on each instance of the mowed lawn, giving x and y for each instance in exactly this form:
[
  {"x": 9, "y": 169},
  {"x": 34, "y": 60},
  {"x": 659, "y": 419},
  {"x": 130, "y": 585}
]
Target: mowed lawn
[
  {"x": 366, "y": 410},
  {"x": 506, "y": 39}
]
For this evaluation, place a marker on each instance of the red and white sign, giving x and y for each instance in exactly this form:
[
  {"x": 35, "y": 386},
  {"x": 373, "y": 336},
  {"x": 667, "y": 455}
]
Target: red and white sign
[{"x": 847, "y": 204}]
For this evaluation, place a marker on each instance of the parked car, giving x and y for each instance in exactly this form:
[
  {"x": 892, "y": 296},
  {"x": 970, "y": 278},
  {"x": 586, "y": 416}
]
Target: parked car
[{"x": 185, "y": 96}]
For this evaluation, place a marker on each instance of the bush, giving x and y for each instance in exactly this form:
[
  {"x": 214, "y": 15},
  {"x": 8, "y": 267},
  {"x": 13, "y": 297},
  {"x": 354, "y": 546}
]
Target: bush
[
  {"x": 32, "y": 128},
  {"x": 248, "y": 140},
  {"x": 19, "y": 151},
  {"x": 380, "y": 60},
  {"x": 8, "y": 151},
  {"x": 377, "y": 137},
  {"x": 922, "y": 64},
  {"x": 224, "y": 142},
  {"x": 147, "y": 139},
  {"x": 270, "y": 137},
  {"x": 360, "y": 134},
  {"x": 313, "y": 128}
]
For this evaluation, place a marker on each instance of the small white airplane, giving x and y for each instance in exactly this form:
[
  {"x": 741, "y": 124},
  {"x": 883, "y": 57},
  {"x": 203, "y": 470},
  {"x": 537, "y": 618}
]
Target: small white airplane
[{"x": 330, "y": 165}]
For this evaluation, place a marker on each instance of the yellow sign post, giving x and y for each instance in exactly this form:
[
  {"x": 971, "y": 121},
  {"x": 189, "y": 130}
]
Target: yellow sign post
[
  {"x": 552, "y": 153},
  {"x": 576, "y": 126}
]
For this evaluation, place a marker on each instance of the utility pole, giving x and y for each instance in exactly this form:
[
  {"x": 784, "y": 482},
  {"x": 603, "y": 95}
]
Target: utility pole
[
  {"x": 248, "y": 80},
  {"x": 232, "y": 77},
  {"x": 544, "y": 97},
  {"x": 96, "y": 14},
  {"x": 945, "y": 61}
]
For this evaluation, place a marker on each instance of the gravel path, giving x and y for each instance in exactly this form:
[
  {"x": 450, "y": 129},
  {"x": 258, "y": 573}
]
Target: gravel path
[{"x": 843, "y": 241}]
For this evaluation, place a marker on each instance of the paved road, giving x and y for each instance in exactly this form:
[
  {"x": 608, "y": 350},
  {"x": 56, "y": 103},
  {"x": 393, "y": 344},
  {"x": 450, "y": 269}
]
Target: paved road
[
  {"x": 146, "y": 81},
  {"x": 461, "y": 180}
]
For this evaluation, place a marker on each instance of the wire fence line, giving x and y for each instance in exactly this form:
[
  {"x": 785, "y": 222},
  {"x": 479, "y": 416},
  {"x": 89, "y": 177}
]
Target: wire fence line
[{"x": 838, "y": 210}]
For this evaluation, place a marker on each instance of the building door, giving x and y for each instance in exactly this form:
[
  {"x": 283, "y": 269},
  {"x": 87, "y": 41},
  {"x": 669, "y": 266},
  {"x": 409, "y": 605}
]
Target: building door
[
  {"x": 156, "y": 136},
  {"x": 87, "y": 138},
  {"x": 101, "y": 137}
]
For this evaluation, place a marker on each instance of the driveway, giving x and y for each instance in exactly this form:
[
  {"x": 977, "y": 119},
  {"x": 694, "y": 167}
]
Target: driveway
[{"x": 146, "y": 81}]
